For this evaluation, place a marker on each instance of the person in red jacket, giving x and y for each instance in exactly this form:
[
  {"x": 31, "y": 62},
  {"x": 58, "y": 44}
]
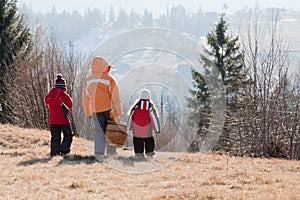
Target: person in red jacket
[
  {"x": 58, "y": 102},
  {"x": 143, "y": 121}
]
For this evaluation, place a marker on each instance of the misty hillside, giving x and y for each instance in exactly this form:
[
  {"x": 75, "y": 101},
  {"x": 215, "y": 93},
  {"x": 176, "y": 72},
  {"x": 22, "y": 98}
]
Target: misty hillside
[
  {"x": 86, "y": 30},
  {"x": 29, "y": 173}
]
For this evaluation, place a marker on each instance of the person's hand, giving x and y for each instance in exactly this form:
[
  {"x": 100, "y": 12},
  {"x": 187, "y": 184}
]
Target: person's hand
[
  {"x": 111, "y": 116},
  {"x": 118, "y": 118}
]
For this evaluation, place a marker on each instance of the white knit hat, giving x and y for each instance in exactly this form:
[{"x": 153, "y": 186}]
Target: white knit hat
[{"x": 145, "y": 94}]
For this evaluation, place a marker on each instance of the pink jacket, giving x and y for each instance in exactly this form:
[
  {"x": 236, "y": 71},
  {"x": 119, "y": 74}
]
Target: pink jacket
[{"x": 143, "y": 119}]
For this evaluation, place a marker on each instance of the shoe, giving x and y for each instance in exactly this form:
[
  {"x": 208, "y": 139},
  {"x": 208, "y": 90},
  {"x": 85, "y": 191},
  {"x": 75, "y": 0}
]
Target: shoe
[
  {"x": 139, "y": 156},
  {"x": 99, "y": 157},
  {"x": 112, "y": 155},
  {"x": 63, "y": 154},
  {"x": 150, "y": 154},
  {"x": 54, "y": 154}
]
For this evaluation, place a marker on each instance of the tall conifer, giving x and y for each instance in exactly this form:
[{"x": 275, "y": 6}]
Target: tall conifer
[{"x": 14, "y": 43}]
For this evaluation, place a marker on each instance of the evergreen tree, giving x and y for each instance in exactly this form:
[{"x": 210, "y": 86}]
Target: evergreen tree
[
  {"x": 229, "y": 60},
  {"x": 122, "y": 21},
  {"x": 178, "y": 18},
  {"x": 225, "y": 53},
  {"x": 147, "y": 19},
  {"x": 14, "y": 43},
  {"x": 199, "y": 103}
]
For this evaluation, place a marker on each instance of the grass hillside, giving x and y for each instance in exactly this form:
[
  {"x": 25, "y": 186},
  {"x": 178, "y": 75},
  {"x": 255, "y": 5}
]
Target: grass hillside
[{"x": 27, "y": 172}]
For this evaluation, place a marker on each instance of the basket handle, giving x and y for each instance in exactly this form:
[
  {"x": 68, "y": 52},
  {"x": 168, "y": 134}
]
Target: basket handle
[{"x": 111, "y": 122}]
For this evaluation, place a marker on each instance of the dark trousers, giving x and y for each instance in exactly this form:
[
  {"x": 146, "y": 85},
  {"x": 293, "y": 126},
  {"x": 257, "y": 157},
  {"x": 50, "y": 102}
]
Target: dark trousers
[
  {"x": 141, "y": 144},
  {"x": 57, "y": 146}
]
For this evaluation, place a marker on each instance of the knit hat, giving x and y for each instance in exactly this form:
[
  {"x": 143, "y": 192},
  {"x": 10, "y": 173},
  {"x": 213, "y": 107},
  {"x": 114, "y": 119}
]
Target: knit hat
[
  {"x": 60, "y": 82},
  {"x": 145, "y": 94}
]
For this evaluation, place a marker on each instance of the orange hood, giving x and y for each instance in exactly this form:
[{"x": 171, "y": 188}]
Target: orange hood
[{"x": 99, "y": 64}]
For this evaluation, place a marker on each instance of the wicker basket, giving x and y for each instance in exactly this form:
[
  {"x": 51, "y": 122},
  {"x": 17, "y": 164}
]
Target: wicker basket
[{"x": 116, "y": 133}]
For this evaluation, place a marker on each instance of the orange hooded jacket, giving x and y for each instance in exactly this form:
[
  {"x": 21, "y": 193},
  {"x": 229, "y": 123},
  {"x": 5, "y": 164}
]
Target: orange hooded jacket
[{"x": 100, "y": 90}]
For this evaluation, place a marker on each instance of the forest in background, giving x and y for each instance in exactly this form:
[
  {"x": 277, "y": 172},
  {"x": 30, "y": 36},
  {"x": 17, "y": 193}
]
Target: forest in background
[{"x": 73, "y": 26}]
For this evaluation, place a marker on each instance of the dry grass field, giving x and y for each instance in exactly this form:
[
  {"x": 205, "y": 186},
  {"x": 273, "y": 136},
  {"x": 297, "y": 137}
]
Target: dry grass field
[{"x": 27, "y": 172}]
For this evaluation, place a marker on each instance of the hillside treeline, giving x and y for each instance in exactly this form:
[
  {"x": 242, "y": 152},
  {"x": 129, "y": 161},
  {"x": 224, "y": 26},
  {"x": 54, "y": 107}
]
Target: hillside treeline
[{"x": 69, "y": 26}]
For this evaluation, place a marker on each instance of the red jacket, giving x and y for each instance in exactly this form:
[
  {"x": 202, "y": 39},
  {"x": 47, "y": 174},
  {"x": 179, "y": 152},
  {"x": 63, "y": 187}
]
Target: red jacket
[
  {"x": 58, "y": 102},
  {"x": 143, "y": 120}
]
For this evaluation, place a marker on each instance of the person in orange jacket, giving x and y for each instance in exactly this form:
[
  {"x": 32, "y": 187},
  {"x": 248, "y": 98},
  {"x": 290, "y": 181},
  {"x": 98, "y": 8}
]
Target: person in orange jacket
[
  {"x": 58, "y": 102},
  {"x": 101, "y": 100}
]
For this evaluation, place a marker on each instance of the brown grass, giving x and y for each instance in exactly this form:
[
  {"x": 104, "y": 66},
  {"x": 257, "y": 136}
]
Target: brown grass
[{"x": 27, "y": 172}]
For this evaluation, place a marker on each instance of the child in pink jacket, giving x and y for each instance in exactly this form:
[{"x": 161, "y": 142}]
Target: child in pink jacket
[{"x": 143, "y": 121}]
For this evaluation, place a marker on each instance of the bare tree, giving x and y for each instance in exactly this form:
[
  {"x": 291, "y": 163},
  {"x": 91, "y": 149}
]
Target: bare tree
[
  {"x": 269, "y": 121},
  {"x": 35, "y": 76}
]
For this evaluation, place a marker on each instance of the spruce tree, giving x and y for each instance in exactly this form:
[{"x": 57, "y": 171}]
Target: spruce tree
[
  {"x": 199, "y": 103},
  {"x": 14, "y": 42},
  {"x": 229, "y": 60},
  {"x": 225, "y": 53}
]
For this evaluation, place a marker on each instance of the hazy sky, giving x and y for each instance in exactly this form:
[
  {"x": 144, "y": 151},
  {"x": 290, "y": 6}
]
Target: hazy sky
[{"x": 156, "y": 6}]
